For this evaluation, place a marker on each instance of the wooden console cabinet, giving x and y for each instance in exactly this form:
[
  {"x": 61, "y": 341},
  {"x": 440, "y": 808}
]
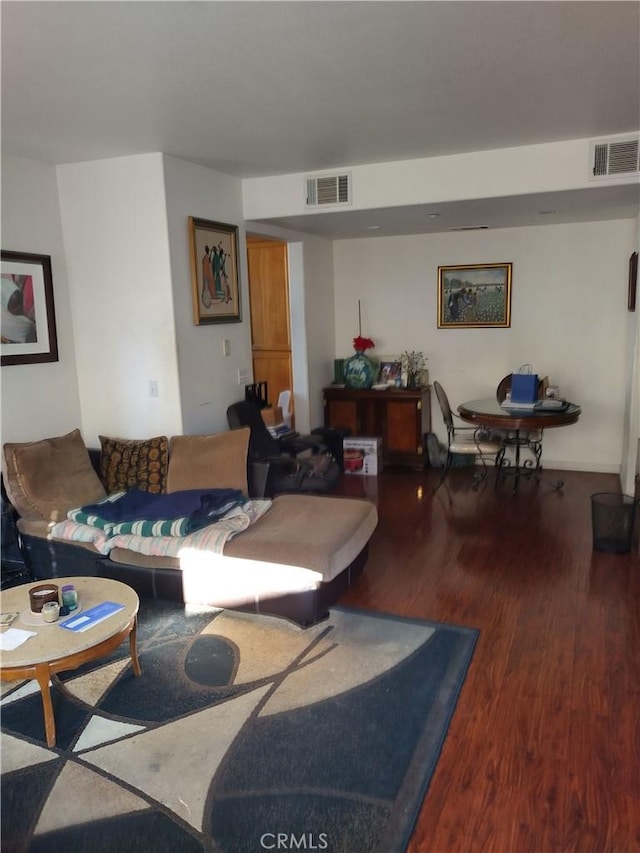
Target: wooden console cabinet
[{"x": 401, "y": 416}]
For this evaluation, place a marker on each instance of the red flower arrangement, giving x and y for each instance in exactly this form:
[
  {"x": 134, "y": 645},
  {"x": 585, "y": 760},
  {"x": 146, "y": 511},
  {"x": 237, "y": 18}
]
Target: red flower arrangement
[{"x": 361, "y": 344}]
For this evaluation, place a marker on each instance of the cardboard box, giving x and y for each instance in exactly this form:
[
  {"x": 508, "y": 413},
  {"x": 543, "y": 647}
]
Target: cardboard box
[
  {"x": 362, "y": 455},
  {"x": 272, "y": 416}
]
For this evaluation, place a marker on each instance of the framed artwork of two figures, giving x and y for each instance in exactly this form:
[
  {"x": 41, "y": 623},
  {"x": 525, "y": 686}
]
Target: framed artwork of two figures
[{"x": 214, "y": 272}]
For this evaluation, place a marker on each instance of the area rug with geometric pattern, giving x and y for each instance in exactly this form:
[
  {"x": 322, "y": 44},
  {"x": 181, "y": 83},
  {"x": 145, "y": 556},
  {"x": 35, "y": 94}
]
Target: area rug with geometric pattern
[{"x": 244, "y": 733}]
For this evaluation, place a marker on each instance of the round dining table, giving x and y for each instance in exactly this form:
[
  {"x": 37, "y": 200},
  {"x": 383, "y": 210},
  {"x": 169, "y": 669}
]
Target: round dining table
[{"x": 521, "y": 428}]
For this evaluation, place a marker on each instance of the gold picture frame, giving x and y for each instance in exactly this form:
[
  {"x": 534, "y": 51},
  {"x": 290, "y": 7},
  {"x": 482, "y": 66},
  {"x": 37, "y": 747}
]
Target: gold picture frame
[
  {"x": 474, "y": 296},
  {"x": 214, "y": 272}
]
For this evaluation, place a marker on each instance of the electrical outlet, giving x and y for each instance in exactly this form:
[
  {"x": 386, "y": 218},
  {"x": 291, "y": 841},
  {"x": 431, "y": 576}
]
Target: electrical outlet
[
  {"x": 243, "y": 376},
  {"x": 153, "y": 388}
]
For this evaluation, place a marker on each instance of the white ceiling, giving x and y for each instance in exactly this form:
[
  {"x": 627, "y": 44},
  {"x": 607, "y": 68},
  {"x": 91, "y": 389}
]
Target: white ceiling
[{"x": 267, "y": 88}]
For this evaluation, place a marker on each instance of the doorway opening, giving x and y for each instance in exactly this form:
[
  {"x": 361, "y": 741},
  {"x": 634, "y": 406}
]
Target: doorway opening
[{"x": 268, "y": 273}]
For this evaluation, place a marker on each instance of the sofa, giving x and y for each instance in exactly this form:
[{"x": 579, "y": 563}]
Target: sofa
[{"x": 293, "y": 558}]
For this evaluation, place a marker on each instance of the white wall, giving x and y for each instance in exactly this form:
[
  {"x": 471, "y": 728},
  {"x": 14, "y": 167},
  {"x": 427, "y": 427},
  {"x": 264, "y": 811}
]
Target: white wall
[
  {"x": 321, "y": 337},
  {"x": 298, "y": 331},
  {"x": 123, "y": 277},
  {"x": 548, "y": 167},
  {"x": 630, "y": 457},
  {"x": 38, "y": 400},
  {"x": 569, "y": 319},
  {"x": 116, "y": 243},
  {"x": 126, "y": 249},
  {"x": 208, "y": 379}
]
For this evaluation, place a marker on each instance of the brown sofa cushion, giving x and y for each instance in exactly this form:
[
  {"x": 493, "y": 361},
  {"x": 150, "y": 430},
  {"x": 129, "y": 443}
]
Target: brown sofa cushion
[
  {"x": 209, "y": 461},
  {"x": 134, "y": 464},
  {"x": 44, "y": 479}
]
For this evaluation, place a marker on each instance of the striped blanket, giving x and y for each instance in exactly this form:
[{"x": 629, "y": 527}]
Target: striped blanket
[{"x": 210, "y": 538}]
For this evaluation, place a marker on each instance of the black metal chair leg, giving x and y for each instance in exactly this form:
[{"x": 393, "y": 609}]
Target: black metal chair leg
[
  {"x": 445, "y": 469},
  {"x": 481, "y": 477}
]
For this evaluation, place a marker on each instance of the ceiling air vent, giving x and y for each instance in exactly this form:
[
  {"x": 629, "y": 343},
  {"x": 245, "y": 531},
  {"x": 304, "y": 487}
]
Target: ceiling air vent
[
  {"x": 328, "y": 190},
  {"x": 615, "y": 157}
]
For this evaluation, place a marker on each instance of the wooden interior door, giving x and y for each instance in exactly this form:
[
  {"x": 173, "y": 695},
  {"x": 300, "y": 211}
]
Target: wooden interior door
[{"x": 269, "y": 307}]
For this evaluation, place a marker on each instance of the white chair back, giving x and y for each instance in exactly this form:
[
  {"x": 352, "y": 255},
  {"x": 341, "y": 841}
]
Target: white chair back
[{"x": 284, "y": 398}]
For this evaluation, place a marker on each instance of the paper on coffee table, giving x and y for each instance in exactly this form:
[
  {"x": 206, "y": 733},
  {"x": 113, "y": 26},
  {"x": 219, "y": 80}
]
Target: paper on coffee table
[{"x": 13, "y": 638}]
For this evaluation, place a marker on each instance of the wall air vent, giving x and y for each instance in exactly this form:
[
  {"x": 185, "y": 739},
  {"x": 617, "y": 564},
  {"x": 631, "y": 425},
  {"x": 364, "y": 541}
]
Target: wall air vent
[
  {"x": 614, "y": 158},
  {"x": 326, "y": 190}
]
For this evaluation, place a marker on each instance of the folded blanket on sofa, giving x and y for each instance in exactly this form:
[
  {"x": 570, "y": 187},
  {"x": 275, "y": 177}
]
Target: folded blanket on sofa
[
  {"x": 210, "y": 538},
  {"x": 145, "y": 514}
]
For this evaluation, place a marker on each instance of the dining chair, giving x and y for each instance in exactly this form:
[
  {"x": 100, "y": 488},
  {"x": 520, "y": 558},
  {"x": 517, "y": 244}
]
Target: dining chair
[{"x": 464, "y": 440}]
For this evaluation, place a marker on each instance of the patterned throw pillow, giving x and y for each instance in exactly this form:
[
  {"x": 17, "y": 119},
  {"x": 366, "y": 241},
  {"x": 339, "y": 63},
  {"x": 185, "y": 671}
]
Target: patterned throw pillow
[{"x": 129, "y": 464}]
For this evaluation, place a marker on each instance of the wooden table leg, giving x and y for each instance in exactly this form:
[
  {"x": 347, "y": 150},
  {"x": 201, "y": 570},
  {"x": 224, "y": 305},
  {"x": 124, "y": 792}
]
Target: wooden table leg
[
  {"x": 42, "y": 677},
  {"x": 133, "y": 648}
]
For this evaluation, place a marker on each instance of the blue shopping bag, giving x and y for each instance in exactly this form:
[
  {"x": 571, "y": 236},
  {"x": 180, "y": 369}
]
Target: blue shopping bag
[{"x": 524, "y": 386}]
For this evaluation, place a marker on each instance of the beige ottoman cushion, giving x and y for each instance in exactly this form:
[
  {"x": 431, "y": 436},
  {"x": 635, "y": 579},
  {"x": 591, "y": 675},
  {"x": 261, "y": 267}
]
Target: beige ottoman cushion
[{"x": 313, "y": 531}]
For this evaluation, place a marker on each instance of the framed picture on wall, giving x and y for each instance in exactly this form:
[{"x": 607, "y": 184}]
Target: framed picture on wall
[
  {"x": 214, "y": 272},
  {"x": 474, "y": 296},
  {"x": 28, "y": 323},
  {"x": 633, "y": 281}
]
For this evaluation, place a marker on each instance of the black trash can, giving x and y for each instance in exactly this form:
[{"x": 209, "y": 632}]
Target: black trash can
[{"x": 612, "y": 517}]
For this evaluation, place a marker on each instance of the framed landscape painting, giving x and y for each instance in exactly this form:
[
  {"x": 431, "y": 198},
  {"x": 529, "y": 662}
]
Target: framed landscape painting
[
  {"x": 28, "y": 323},
  {"x": 214, "y": 272},
  {"x": 474, "y": 296}
]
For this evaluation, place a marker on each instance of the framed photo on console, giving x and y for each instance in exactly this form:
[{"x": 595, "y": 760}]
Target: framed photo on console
[
  {"x": 214, "y": 272},
  {"x": 28, "y": 323},
  {"x": 474, "y": 296},
  {"x": 389, "y": 370}
]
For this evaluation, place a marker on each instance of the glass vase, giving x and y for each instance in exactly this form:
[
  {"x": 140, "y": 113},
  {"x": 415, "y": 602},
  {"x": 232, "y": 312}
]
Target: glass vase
[{"x": 359, "y": 371}]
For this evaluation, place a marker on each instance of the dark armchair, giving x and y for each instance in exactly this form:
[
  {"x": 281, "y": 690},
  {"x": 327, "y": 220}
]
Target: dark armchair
[
  {"x": 248, "y": 413},
  {"x": 276, "y": 461}
]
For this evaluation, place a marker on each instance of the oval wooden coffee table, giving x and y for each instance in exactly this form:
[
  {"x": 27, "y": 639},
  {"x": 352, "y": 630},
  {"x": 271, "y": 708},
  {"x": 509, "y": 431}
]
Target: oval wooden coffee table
[{"x": 55, "y": 649}]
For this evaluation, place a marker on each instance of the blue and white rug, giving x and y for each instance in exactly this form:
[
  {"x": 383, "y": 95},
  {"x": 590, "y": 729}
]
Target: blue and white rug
[{"x": 244, "y": 733}]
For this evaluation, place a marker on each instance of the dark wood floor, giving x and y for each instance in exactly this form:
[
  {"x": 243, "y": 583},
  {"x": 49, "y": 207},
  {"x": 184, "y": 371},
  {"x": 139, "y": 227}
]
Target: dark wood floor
[{"x": 543, "y": 752}]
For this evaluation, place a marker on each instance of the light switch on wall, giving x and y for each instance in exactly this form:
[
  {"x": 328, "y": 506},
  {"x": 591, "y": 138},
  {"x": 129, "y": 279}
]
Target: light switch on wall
[{"x": 226, "y": 347}]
